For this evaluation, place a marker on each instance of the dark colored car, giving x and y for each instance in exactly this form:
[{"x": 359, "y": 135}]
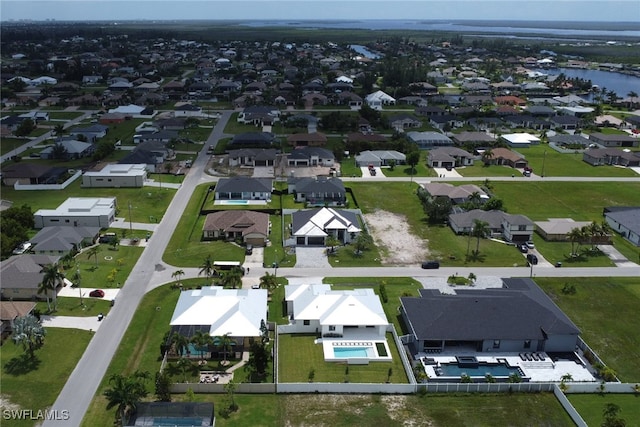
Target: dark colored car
[
  {"x": 98, "y": 293},
  {"x": 533, "y": 260},
  {"x": 430, "y": 265},
  {"x": 248, "y": 250}
]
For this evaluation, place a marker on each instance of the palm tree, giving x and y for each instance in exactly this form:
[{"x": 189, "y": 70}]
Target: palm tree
[
  {"x": 58, "y": 129},
  {"x": 180, "y": 343},
  {"x": 51, "y": 279},
  {"x": 207, "y": 268},
  {"x": 268, "y": 282},
  {"x": 177, "y": 274},
  {"x": 125, "y": 393},
  {"x": 233, "y": 278},
  {"x": 487, "y": 155},
  {"x": 475, "y": 199},
  {"x": 226, "y": 343},
  {"x": 93, "y": 252},
  {"x": 201, "y": 340},
  {"x": 480, "y": 229},
  {"x": 575, "y": 236}
]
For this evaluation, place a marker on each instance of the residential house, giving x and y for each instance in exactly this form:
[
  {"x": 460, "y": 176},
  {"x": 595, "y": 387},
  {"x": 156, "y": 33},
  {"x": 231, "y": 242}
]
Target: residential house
[
  {"x": 520, "y": 140},
  {"x": 380, "y": 158},
  {"x": 519, "y": 317},
  {"x": 162, "y": 136},
  {"x": 446, "y": 121},
  {"x": 73, "y": 149},
  {"x": 449, "y": 157},
  {"x": 237, "y": 313},
  {"x": 10, "y": 311},
  {"x": 564, "y": 122},
  {"x": 244, "y": 188},
  {"x": 246, "y": 226},
  {"x": 22, "y": 275},
  {"x": 569, "y": 141},
  {"x": 187, "y": 110},
  {"x": 79, "y": 211},
  {"x": 624, "y": 220},
  {"x": 252, "y": 140},
  {"x": 456, "y": 193},
  {"x": 504, "y": 156},
  {"x": 430, "y": 110},
  {"x": 31, "y": 173},
  {"x": 259, "y": 115},
  {"x": 61, "y": 240},
  {"x": 316, "y": 139},
  {"x": 473, "y": 139},
  {"x": 426, "y": 140},
  {"x": 311, "y": 156},
  {"x": 91, "y": 133},
  {"x": 557, "y": 229},
  {"x": 116, "y": 176},
  {"x": 152, "y": 154},
  {"x": 610, "y": 156},
  {"x": 253, "y": 157},
  {"x": 513, "y": 228},
  {"x": 351, "y": 99},
  {"x": 312, "y": 227},
  {"x": 379, "y": 99},
  {"x": 316, "y": 308},
  {"x": 318, "y": 191},
  {"x": 403, "y": 121},
  {"x": 613, "y": 140}
]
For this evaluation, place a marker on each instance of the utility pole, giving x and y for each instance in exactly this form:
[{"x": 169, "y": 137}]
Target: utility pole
[
  {"x": 130, "y": 220},
  {"x": 544, "y": 157}
]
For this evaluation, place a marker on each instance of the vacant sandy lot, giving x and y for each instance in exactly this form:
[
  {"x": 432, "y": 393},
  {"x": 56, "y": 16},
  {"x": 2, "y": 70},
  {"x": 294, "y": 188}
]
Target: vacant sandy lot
[{"x": 392, "y": 236}]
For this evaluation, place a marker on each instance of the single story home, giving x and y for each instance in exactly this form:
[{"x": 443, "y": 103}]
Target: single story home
[
  {"x": 624, "y": 220},
  {"x": 116, "y": 176},
  {"x": 504, "y": 156},
  {"x": 456, "y": 193},
  {"x": 73, "y": 149},
  {"x": 380, "y": 158},
  {"x": 79, "y": 211},
  {"x": 610, "y": 156},
  {"x": 252, "y": 140},
  {"x": 311, "y": 227},
  {"x": 318, "y": 191},
  {"x": 247, "y": 226},
  {"x": 513, "y": 228},
  {"x": 557, "y": 229},
  {"x": 187, "y": 110},
  {"x": 60, "y": 240},
  {"x": 22, "y": 274},
  {"x": 316, "y": 139},
  {"x": 91, "y": 133},
  {"x": 253, "y": 157},
  {"x": 10, "y": 311},
  {"x": 315, "y": 308},
  {"x": 311, "y": 156},
  {"x": 378, "y": 99},
  {"x": 31, "y": 173},
  {"x": 517, "y": 317},
  {"x": 403, "y": 121},
  {"x": 614, "y": 140},
  {"x": 443, "y": 157},
  {"x": 244, "y": 188},
  {"x": 521, "y": 140},
  {"x": 473, "y": 138},
  {"x": 429, "y": 139}
]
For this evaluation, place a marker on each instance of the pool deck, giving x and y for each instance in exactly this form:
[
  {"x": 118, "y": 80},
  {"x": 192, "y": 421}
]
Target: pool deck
[
  {"x": 546, "y": 370},
  {"x": 239, "y": 202},
  {"x": 328, "y": 344}
]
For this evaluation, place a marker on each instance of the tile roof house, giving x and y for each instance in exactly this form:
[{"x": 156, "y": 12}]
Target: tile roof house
[
  {"x": 456, "y": 193},
  {"x": 10, "y": 311},
  {"x": 21, "y": 275},
  {"x": 517, "y": 317},
  {"x": 311, "y": 227},
  {"x": 624, "y": 220},
  {"x": 318, "y": 191},
  {"x": 449, "y": 157},
  {"x": 513, "y": 228},
  {"x": 244, "y": 188},
  {"x": 504, "y": 156},
  {"x": 248, "y": 226},
  {"x": 60, "y": 240},
  {"x": 315, "y": 308}
]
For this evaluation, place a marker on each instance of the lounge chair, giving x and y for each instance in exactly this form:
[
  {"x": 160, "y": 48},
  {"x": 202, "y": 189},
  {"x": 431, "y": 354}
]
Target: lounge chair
[
  {"x": 541, "y": 357},
  {"x": 523, "y": 357}
]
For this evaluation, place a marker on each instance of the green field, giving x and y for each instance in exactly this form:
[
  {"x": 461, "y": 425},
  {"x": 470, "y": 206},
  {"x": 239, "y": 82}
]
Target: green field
[
  {"x": 606, "y": 311},
  {"x": 590, "y": 407},
  {"x": 35, "y": 384},
  {"x": 111, "y": 268}
]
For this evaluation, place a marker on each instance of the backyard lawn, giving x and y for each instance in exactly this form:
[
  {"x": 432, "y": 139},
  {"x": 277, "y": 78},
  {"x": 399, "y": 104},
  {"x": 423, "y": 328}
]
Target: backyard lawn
[
  {"x": 590, "y": 407},
  {"x": 606, "y": 311},
  {"x": 35, "y": 384}
]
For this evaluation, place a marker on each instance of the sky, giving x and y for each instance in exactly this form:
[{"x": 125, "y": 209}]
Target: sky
[{"x": 556, "y": 10}]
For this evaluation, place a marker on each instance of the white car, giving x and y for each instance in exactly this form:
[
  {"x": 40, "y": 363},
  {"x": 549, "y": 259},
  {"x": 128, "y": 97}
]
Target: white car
[
  {"x": 530, "y": 245},
  {"x": 22, "y": 248}
]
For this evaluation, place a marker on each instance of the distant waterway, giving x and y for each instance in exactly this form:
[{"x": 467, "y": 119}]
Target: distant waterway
[
  {"x": 621, "y": 84},
  {"x": 362, "y": 50}
]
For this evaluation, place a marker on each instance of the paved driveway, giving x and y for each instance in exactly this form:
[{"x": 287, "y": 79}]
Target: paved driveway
[
  {"x": 307, "y": 257},
  {"x": 618, "y": 259}
]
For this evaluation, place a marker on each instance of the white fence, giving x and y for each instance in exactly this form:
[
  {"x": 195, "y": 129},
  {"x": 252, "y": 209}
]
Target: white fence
[
  {"x": 524, "y": 387},
  {"x": 246, "y": 388},
  {"x": 575, "y": 416},
  {"x": 21, "y": 187},
  {"x": 359, "y": 388}
]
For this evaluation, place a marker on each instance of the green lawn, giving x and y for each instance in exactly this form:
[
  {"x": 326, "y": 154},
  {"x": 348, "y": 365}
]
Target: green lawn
[
  {"x": 590, "y": 407},
  {"x": 64, "y": 115},
  {"x": 69, "y": 306},
  {"x": 198, "y": 134},
  {"x": 234, "y": 127},
  {"x": 9, "y": 144},
  {"x": 112, "y": 269},
  {"x": 606, "y": 311},
  {"x": 561, "y": 251},
  {"x": 145, "y": 201},
  {"x": 36, "y": 384},
  {"x": 275, "y": 252},
  {"x": 478, "y": 169},
  {"x": 298, "y": 354}
]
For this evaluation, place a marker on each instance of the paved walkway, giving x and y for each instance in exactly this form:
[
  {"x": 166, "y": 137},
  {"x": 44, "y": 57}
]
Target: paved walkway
[{"x": 618, "y": 259}]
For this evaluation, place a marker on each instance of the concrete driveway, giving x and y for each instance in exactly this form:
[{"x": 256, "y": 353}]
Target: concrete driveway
[
  {"x": 618, "y": 259},
  {"x": 89, "y": 323},
  {"x": 311, "y": 257}
]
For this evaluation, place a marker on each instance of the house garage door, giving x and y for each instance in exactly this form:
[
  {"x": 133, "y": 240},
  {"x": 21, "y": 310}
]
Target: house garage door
[{"x": 315, "y": 241}]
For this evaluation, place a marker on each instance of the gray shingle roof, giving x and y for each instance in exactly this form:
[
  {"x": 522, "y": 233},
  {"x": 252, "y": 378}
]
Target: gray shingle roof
[{"x": 241, "y": 184}]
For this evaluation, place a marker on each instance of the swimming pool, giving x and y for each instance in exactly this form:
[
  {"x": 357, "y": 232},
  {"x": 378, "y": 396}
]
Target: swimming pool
[
  {"x": 482, "y": 369},
  {"x": 347, "y": 352},
  {"x": 234, "y": 202}
]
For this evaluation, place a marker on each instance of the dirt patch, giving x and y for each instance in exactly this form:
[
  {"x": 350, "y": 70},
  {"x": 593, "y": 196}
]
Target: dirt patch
[
  {"x": 392, "y": 236},
  {"x": 6, "y": 404}
]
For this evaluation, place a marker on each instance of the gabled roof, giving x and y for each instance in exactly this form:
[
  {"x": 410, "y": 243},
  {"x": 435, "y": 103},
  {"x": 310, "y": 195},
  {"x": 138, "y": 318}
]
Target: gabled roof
[
  {"x": 9, "y": 310},
  {"x": 24, "y": 271},
  {"x": 316, "y": 222},
  {"x": 25, "y": 170},
  {"x": 519, "y": 310},
  {"x": 62, "y": 238},
  {"x": 627, "y": 216},
  {"x": 347, "y": 307},
  {"x": 235, "y": 312},
  {"x": 241, "y": 184},
  {"x": 309, "y": 152},
  {"x": 246, "y": 222},
  {"x": 318, "y": 184}
]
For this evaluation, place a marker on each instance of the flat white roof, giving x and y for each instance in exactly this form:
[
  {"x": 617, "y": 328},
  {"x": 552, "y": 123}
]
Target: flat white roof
[
  {"x": 521, "y": 138},
  {"x": 121, "y": 170},
  {"x": 73, "y": 206}
]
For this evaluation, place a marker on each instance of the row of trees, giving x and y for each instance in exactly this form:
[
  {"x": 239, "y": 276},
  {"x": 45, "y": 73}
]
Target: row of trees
[{"x": 591, "y": 234}]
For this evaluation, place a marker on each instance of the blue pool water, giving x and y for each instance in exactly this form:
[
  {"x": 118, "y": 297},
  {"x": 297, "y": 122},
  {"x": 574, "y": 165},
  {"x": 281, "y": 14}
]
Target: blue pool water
[
  {"x": 496, "y": 370},
  {"x": 236, "y": 202},
  {"x": 345, "y": 352}
]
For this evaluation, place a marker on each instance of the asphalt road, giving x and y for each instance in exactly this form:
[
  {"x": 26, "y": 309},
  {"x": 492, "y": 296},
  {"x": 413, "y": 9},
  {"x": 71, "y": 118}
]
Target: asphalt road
[{"x": 150, "y": 272}]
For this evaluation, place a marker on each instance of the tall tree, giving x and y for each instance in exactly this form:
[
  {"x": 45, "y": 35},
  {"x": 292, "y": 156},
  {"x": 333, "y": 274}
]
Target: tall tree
[
  {"x": 28, "y": 332},
  {"x": 480, "y": 230},
  {"x": 258, "y": 359},
  {"x": 125, "y": 392},
  {"x": 224, "y": 342},
  {"x": 576, "y": 237},
  {"x": 51, "y": 279},
  {"x": 201, "y": 340},
  {"x": 268, "y": 282},
  {"x": 207, "y": 268},
  {"x": 177, "y": 274},
  {"x": 180, "y": 343},
  {"x": 92, "y": 252},
  {"x": 232, "y": 278},
  {"x": 413, "y": 158}
]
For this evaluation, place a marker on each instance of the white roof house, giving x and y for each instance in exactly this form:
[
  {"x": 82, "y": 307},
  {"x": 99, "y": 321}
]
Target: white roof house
[
  {"x": 377, "y": 99},
  {"x": 315, "y": 307},
  {"x": 233, "y": 312},
  {"x": 79, "y": 211},
  {"x": 520, "y": 139},
  {"x": 130, "y": 109},
  {"x": 310, "y": 227},
  {"x": 116, "y": 175}
]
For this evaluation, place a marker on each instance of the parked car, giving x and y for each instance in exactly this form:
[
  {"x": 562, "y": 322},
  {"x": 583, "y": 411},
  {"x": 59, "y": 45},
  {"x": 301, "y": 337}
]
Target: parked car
[
  {"x": 532, "y": 259},
  {"x": 248, "y": 250},
  {"x": 530, "y": 245},
  {"x": 523, "y": 248},
  {"x": 97, "y": 293},
  {"x": 430, "y": 265}
]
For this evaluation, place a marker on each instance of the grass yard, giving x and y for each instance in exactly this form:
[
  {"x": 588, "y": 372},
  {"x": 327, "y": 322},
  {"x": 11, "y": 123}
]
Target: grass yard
[
  {"x": 561, "y": 251},
  {"x": 70, "y": 306},
  {"x": 64, "y": 115},
  {"x": 185, "y": 249},
  {"x": 275, "y": 252},
  {"x": 297, "y": 355},
  {"x": 145, "y": 202},
  {"x": 139, "y": 348},
  {"x": 606, "y": 311},
  {"x": 9, "y": 144},
  {"x": 277, "y": 309},
  {"x": 36, "y": 384},
  {"x": 110, "y": 270},
  {"x": 198, "y": 134},
  {"x": 166, "y": 177},
  {"x": 590, "y": 407},
  {"x": 479, "y": 170},
  {"x": 582, "y": 201},
  {"x": 234, "y": 127}
]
